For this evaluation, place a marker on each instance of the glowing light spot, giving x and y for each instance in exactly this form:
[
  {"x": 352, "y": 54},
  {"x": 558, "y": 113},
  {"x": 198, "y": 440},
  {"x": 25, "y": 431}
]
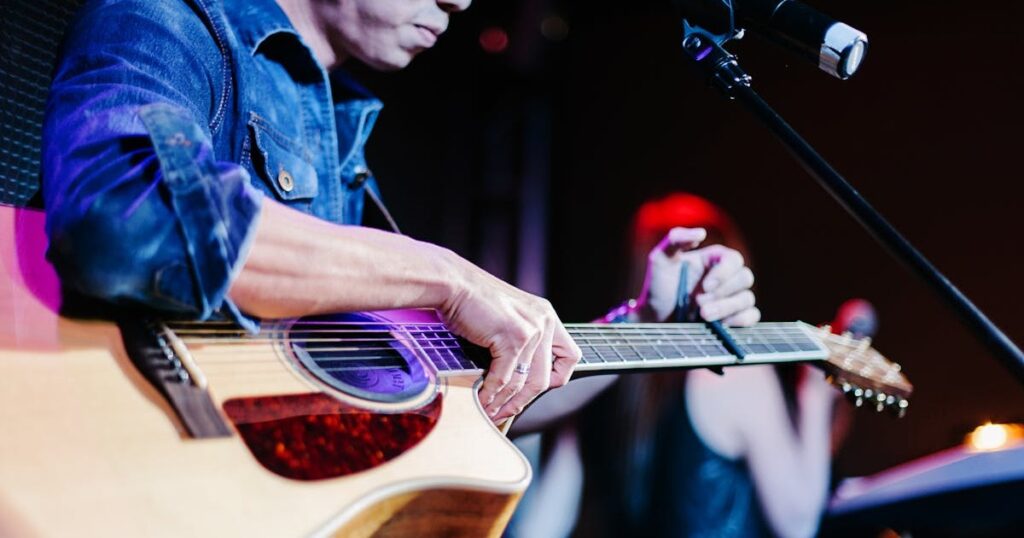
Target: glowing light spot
[
  {"x": 494, "y": 40},
  {"x": 990, "y": 436},
  {"x": 554, "y": 28}
]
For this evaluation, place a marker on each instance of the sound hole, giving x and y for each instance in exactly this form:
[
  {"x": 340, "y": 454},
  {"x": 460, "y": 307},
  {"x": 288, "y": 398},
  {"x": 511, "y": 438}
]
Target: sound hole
[{"x": 358, "y": 354}]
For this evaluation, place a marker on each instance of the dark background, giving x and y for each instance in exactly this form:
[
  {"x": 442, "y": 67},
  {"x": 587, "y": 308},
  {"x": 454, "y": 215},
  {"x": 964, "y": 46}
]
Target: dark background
[{"x": 531, "y": 162}]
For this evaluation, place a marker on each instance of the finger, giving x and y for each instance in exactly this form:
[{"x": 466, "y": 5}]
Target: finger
[
  {"x": 498, "y": 376},
  {"x": 567, "y": 356},
  {"x": 536, "y": 382},
  {"x": 723, "y": 308},
  {"x": 723, "y": 263},
  {"x": 746, "y": 318},
  {"x": 682, "y": 239},
  {"x": 506, "y": 393},
  {"x": 503, "y": 362},
  {"x": 737, "y": 282},
  {"x": 517, "y": 380}
]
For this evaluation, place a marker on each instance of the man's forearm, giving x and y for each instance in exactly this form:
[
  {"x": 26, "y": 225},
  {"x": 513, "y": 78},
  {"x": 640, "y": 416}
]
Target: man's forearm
[{"x": 301, "y": 265}]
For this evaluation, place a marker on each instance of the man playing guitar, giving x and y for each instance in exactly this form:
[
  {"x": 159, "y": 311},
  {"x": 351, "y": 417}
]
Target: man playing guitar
[{"x": 201, "y": 161}]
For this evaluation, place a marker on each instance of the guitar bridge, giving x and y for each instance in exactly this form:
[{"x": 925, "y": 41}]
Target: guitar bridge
[{"x": 170, "y": 369}]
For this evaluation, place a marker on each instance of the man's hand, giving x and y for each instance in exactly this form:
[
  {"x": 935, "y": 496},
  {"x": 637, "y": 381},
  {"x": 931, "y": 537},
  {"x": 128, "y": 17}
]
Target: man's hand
[
  {"x": 297, "y": 262},
  {"x": 530, "y": 347},
  {"x": 716, "y": 273}
]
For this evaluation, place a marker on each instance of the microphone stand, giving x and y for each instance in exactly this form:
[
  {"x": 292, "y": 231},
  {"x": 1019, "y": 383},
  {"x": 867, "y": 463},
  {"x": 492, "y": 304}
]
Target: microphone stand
[{"x": 724, "y": 72}]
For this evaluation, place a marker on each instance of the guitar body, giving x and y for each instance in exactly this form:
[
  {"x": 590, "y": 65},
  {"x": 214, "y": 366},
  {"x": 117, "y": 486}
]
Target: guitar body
[{"x": 91, "y": 447}]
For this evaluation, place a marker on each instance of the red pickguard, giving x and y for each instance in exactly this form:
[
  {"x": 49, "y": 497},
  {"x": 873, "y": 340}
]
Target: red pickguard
[{"x": 314, "y": 436}]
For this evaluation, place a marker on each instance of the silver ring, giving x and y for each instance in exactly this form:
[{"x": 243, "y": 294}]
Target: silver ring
[{"x": 522, "y": 369}]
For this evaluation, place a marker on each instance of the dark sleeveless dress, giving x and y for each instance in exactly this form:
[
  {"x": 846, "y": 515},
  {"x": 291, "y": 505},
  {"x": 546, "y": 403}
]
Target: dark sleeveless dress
[
  {"x": 663, "y": 483},
  {"x": 696, "y": 491}
]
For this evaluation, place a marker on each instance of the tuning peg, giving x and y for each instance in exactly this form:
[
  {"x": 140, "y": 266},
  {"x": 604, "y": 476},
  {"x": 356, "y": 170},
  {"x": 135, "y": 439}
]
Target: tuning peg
[
  {"x": 865, "y": 343},
  {"x": 880, "y": 402},
  {"x": 902, "y": 407},
  {"x": 847, "y": 387}
]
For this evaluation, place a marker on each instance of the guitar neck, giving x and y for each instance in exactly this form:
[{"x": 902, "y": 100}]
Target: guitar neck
[
  {"x": 860, "y": 371},
  {"x": 626, "y": 347}
]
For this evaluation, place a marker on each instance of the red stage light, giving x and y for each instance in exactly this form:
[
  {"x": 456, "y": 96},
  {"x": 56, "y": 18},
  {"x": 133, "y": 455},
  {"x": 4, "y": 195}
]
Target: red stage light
[{"x": 494, "y": 40}]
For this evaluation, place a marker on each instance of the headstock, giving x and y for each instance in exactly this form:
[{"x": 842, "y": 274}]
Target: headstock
[{"x": 864, "y": 374}]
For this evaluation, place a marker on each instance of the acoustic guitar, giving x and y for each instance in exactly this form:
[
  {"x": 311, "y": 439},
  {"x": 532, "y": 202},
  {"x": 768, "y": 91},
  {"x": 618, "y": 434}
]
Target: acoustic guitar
[{"x": 354, "y": 424}]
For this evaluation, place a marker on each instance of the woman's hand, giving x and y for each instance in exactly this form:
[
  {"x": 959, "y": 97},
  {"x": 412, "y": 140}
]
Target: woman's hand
[{"x": 718, "y": 281}]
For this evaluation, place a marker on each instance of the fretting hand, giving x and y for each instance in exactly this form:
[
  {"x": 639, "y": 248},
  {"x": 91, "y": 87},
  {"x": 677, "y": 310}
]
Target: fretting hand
[{"x": 530, "y": 347}]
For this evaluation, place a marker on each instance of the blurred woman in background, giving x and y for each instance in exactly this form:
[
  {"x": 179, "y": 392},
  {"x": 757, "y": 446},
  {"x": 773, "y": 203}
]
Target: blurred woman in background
[
  {"x": 694, "y": 453},
  {"x": 744, "y": 453}
]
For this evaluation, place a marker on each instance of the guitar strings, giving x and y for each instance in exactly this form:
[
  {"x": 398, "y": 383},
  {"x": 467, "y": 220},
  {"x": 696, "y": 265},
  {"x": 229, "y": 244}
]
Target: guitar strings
[
  {"x": 391, "y": 353},
  {"x": 594, "y": 336},
  {"x": 434, "y": 341},
  {"x": 585, "y": 341},
  {"x": 600, "y": 340},
  {"x": 444, "y": 334},
  {"x": 597, "y": 326},
  {"x": 441, "y": 326}
]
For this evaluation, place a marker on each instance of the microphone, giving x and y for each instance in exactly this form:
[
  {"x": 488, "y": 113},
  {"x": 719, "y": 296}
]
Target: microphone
[
  {"x": 836, "y": 47},
  {"x": 857, "y": 317}
]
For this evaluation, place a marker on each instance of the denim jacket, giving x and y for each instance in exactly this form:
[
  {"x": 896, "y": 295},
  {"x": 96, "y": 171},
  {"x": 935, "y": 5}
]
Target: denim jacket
[{"x": 167, "y": 123}]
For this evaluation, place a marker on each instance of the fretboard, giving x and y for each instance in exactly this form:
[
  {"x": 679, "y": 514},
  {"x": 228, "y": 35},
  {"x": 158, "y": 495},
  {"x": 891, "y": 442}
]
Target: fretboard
[
  {"x": 622, "y": 347},
  {"x": 690, "y": 345}
]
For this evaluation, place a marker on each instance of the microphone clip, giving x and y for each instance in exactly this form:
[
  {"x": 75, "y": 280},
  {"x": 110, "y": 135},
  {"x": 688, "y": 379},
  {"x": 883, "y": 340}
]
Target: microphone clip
[
  {"x": 714, "y": 18},
  {"x": 718, "y": 64}
]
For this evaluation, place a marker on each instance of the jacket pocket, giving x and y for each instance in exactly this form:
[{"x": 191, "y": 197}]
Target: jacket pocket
[{"x": 284, "y": 164}]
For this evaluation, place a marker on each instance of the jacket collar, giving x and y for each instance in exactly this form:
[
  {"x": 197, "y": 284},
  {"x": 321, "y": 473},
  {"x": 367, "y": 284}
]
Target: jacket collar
[
  {"x": 356, "y": 109},
  {"x": 256, "y": 20}
]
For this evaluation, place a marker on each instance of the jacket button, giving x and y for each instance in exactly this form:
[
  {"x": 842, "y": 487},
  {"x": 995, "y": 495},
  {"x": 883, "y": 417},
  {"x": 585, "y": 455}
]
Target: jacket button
[
  {"x": 284, "y": 179},
  {"x": 360, "y": 175}
]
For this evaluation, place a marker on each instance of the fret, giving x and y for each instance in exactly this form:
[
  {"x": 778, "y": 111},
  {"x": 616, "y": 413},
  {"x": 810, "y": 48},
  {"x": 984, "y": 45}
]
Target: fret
[
  {"x": 689, "y": 350},
  {"x": 668, "y": 351},
  {"x": 629, "y": 354},
  {"x": 755, "y": 348},
  {"x": 786, "y": 345},
  {"x": 666, "y": 342},
  {"x": 447, "y": 349},
  {"x": 775, "y": 340},
  {"x": 588, "y": 354},
  {"x": 426, "y": 343},
  {"x": 706, "y": 344},
  {"x": 647, "y": 352},
  {"x": 440, "y": 347},
  {"x": 609, "y": 348},
  {"x": 602, "y": 353}
]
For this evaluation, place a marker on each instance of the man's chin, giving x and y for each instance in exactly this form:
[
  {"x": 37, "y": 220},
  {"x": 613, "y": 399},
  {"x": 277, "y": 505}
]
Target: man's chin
[{"x": 393, "y": 62}]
